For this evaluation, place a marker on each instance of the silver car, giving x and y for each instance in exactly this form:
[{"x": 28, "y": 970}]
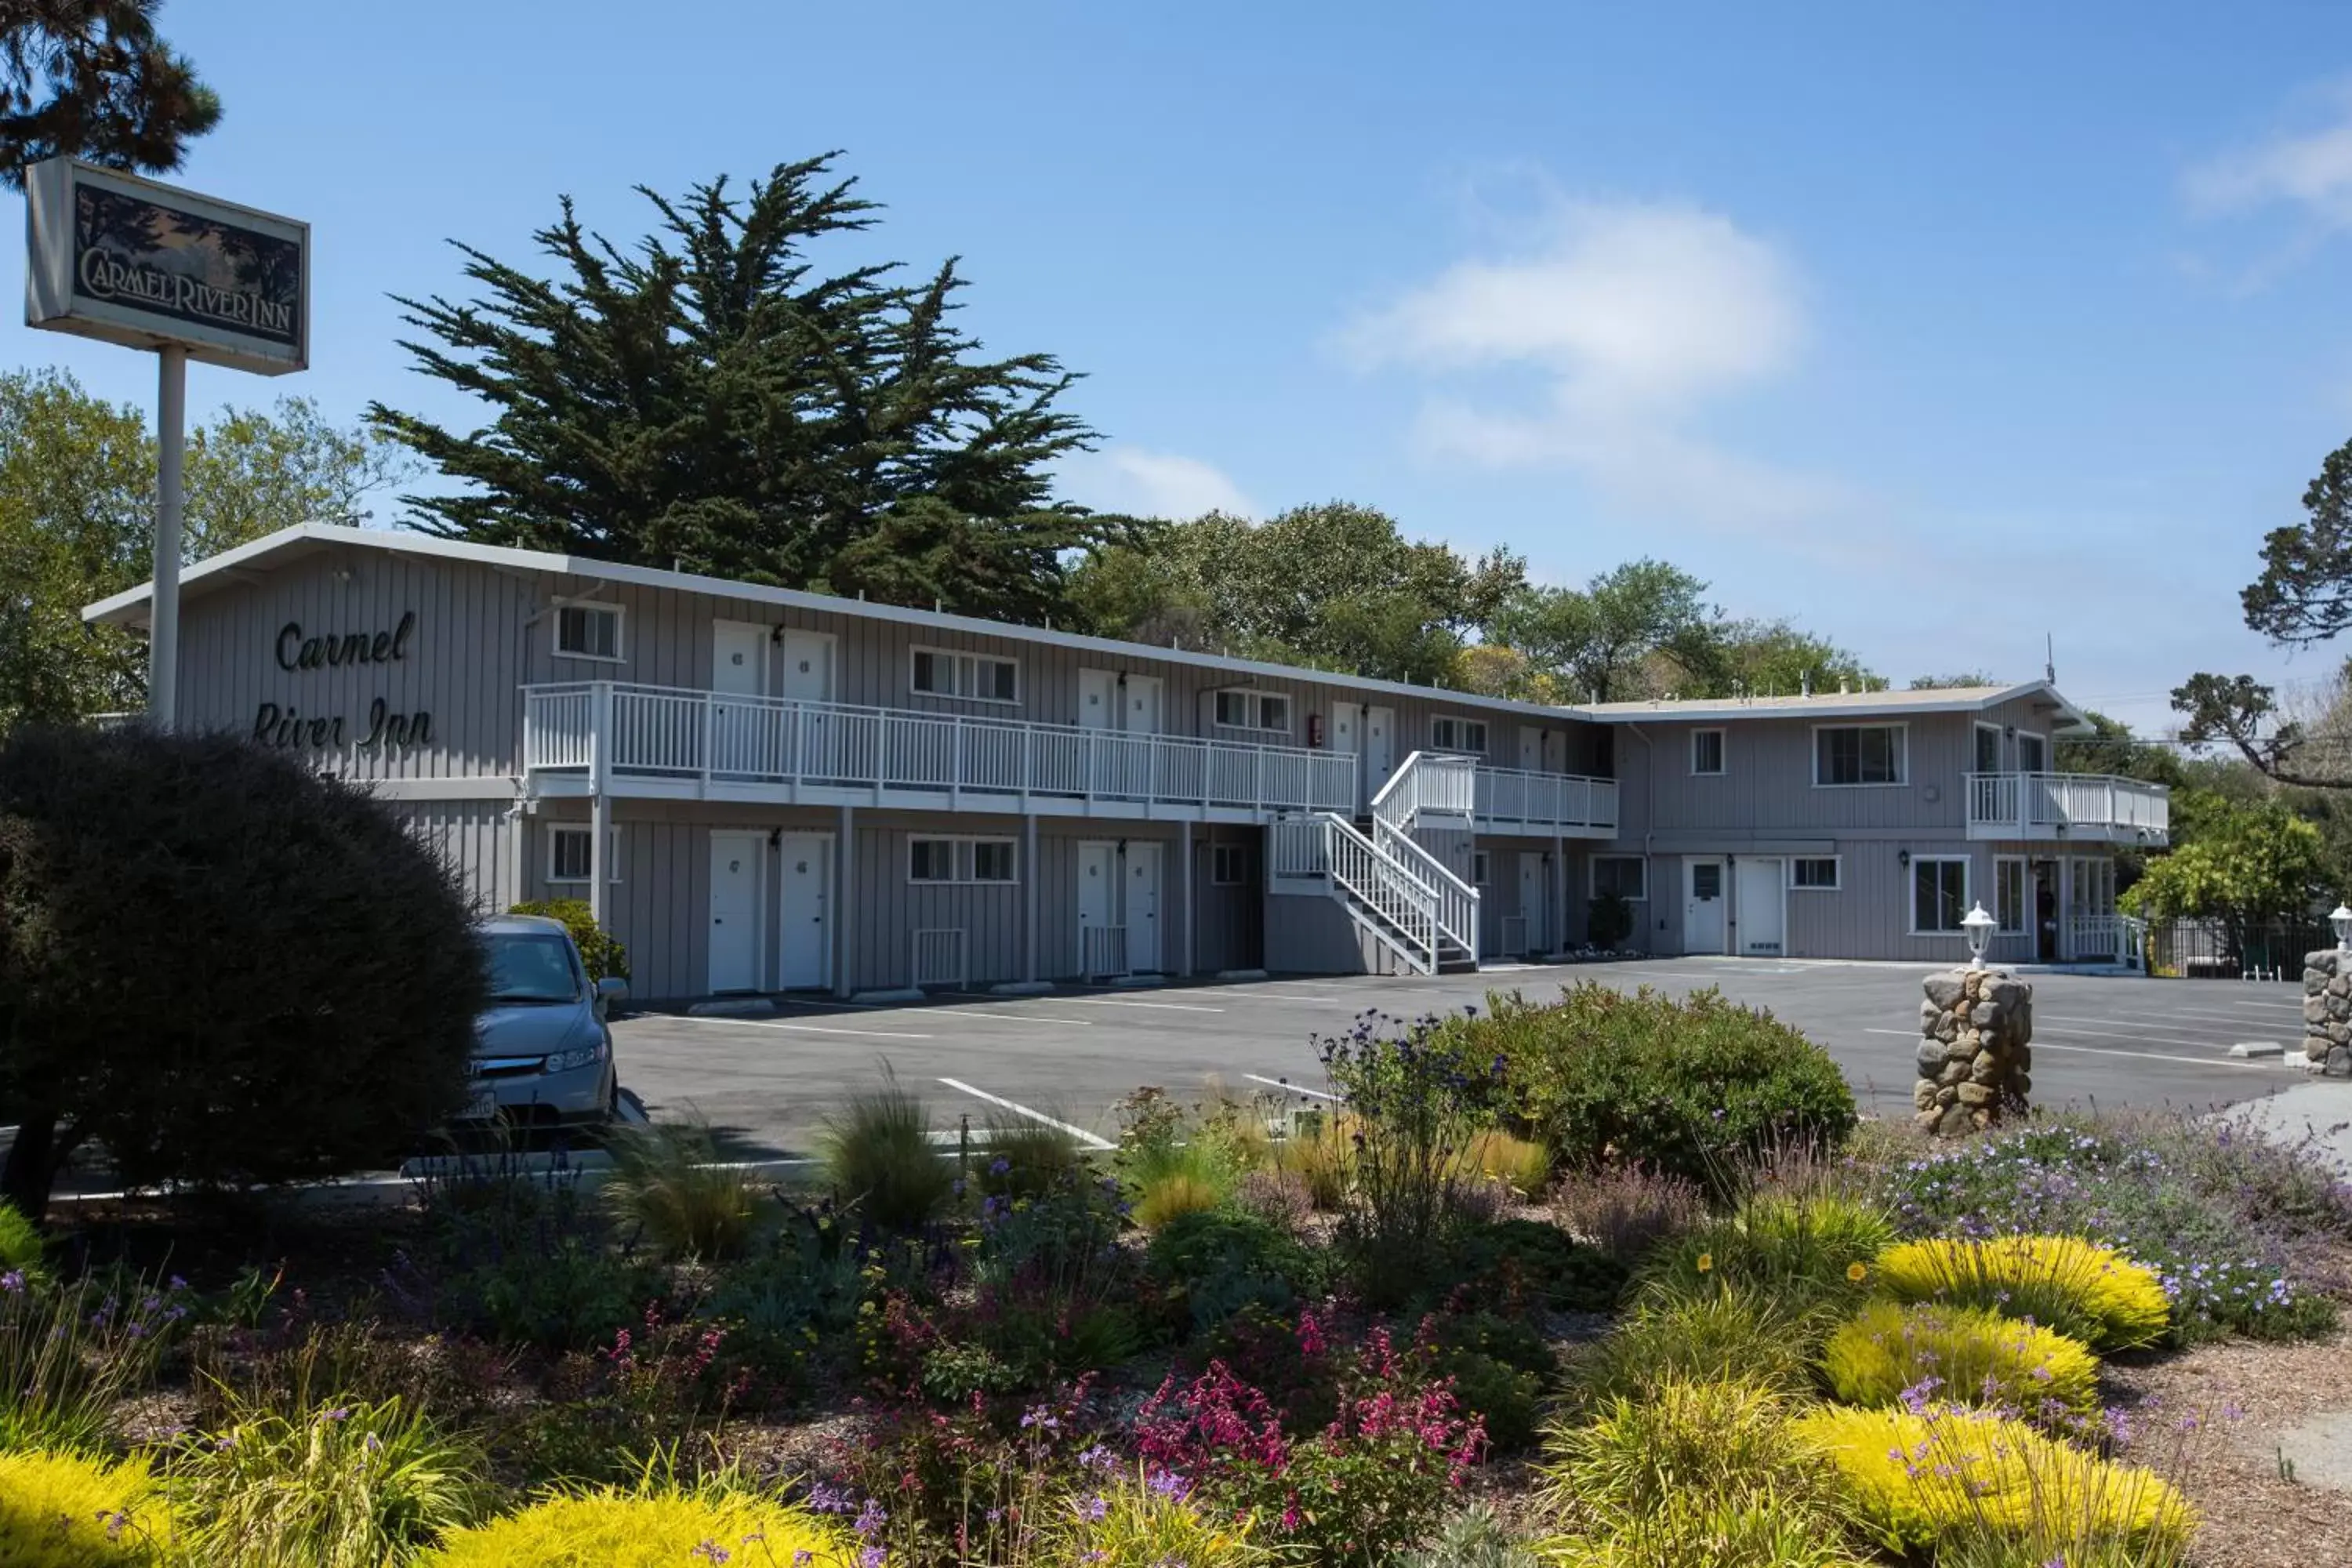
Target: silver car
[{"x": 542, "y": 1049}]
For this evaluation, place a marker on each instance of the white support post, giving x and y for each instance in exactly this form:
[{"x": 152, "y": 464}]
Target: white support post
[
  {"x": 1029, "y": 876},
  {"x": 1185, "y": 853},
  {"x": 163, "y": 601},
  {"x": 844, "y": 901},
  {"x": 1558, "y": 892},
  {"x": 600, "y": 856}
]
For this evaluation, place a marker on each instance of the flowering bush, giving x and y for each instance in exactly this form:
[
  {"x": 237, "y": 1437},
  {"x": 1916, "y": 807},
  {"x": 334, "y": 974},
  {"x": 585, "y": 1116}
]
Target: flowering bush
[
  {"x": 1373, "y": 1482},
  {"x": 2225, "y": 1220},
  {"x": 2090, "y": 1293},
  {"x": 654, "y": 1525},
  {"x": 662, "y": 1382},
  {"x": 1886, "y": 1353},
  {"x": 62, "y": 1510},
  {"x": 1627, "y": 1209}
]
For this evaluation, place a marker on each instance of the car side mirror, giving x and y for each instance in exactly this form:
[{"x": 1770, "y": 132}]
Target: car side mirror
[{"x": 611, "y": 989}]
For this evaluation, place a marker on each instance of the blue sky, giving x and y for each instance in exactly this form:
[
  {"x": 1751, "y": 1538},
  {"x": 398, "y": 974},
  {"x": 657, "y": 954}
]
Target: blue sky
[{"x": 1934, "y": 330}]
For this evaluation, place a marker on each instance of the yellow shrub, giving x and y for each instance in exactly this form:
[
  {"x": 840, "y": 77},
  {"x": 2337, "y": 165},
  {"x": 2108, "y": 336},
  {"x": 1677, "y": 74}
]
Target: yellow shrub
[
  {"x": 1955, "y": 1476},
  {"x": 58, "y": 1510},
  {"x": 1748, "y": 1528},
  {"x": 657, "y": 1526},
  {"x": 2092, "y": 1292},
  {"x": 1679, "y": 1434},
  {"x": 1976, "y": 1357},
  {"x": 1518, "y": 1164},
  {"x": 1176, "y": 1192},
  {"x": 1132, "y": 1526}
]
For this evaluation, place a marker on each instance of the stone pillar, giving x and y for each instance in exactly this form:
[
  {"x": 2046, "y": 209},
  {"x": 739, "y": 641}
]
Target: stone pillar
[
  {"x": 1976, "y": 1051},
  {"x": 2327, "y": 1013}
]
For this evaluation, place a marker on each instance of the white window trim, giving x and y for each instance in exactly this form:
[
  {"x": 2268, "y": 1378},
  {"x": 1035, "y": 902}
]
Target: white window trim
[
  {"x": 961, "y": 854},
  {"x": 1722, "y": 752},
  {"x": 2025, "y": 894},
  {"x": 1979, "y": 728},
  {"x": 1256, "y": 694},
  {"x": 1464, "y": 723},
  {"x": 1593, "y": 877},
  {"x": 1836, "y": 862},
  {"x": 958, "y": 659},
  {"x": 1239, "y": 860},
  {"x": 1911, "y": 890},
  {"x": 612, "y": 854},
  {"x": 620, "y": 630},
  {"x": 1903, "y": 756}
]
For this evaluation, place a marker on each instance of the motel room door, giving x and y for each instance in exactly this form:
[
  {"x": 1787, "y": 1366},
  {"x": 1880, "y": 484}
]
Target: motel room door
[
  {"x": 735, "y": 860},
  {"x": 1763, "y": 906},
  {"x": 1100, "y": 951},
  {"x": 1535, "y": 899},
  {"x": 1142, "y": 911},
  {"x": 739, "y": 668},
  {"x": 1380, "y": 748},
  {"x": 1347, "y": 741},
  {"x": 815, "y": 733},
  {"x": 804, "y": 936},
  {"x": 1703, "y": 912}
]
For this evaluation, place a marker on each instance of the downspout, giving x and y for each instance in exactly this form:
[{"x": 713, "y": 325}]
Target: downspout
[{"x": 1649, "y": 817}]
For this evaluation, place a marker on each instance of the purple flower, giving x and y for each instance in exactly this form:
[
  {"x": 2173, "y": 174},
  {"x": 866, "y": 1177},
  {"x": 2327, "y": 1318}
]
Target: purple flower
[
  {"x": 1093, "y": 1509},
  {"x": 711, "y": 1551},
  {"x": 870, "y": 1519},
  {"x": 13, "y": 1282}
]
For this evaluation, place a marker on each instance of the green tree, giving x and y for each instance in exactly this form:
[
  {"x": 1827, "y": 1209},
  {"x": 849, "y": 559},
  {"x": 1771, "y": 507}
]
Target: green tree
[
  {"x": 707, "y": 400},
  {"x": 2112, "y": 748},
  {"x": 1954, "y": 682},
  {"x": 77, "y": 524},
  {"x": 1772, "y": 658},
  {"x": 1600, "y": 641},
  {"x": 1337, "y": 587},
  {"x": 2242, "y": 865},
  {"x": 89, "y": 77}
]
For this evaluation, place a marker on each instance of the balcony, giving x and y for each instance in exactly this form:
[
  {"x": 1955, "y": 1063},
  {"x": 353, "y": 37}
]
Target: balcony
[
  {"x": 1461, "y": 791},
  {"x": 652, "y": 741},
  {"x": 2082, "y": 809}
]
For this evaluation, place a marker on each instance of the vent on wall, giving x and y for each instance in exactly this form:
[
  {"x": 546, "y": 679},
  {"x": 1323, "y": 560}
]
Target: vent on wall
[
  {"x": 940, "y": 957},
  {"x": 1513, "y": 935}
]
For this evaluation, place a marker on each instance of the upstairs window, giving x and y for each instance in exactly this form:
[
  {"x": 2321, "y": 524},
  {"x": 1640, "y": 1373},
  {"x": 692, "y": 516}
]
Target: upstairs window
[
  {"x": 1447, "y": 734},
  {"x": 1859, "y": 754},
  {"x": 1239, "y": 708},
  {"x": 972, "y": 677},
  {"x": 1707, "y": 751},
  {"x": 588, "y": 631}
]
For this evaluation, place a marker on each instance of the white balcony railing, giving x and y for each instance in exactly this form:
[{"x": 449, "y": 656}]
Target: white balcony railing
[
  {"x": 611, "y": 731},
  {"x": 1511, "y": 798},
  {"x": 2039, "y": 805}
]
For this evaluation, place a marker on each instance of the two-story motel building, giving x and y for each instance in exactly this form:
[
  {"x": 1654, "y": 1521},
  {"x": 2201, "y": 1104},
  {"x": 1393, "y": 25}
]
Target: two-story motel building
[{"x": 764, "y": 790}]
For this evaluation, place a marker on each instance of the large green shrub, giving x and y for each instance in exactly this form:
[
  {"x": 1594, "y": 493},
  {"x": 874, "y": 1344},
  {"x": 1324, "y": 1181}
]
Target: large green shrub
[
  {"x": 219, "y": 964},
  {"x": 1694, "y": 1087},
  {"x": 1206, "y": 1265},
  {"x": 600, "y": 950}
]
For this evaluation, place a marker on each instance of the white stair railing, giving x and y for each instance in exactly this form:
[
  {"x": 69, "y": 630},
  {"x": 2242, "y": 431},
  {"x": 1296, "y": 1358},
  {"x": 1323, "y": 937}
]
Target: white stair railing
[
  {"x": 1380, "y": 894},
  {"x": 1439, "y": 786}
]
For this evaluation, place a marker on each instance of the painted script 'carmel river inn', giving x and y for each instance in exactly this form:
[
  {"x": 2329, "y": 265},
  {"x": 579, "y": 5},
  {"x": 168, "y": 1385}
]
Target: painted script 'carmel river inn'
[{"x": 760, "y": 789}]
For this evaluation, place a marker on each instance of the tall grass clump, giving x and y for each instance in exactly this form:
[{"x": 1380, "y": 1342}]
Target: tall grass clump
[
  {"x": 70, "y": 1354},
  {"x": 1134, "y": 1524},
  {"x": 1963, "y": 1354},
  {"x": 1734, "y": 1332},
  {"x": 20, "y": 1245},
  {"x": 1812, "y": 1248},
  {"x": 1627, "y": 1209},
  {"x": 877, "y": 1149},
  {"x": 1174, "y": 1195},
  {"x": 668, "y": 1184},
  {"x": 1521, "y": 1164},
  {"x": 345, "y": 1486},
  {"x": 1320, "y": 1154},
  {"x": 66, "y": 1510},
  {"x": 1976, "y": 1487},
  {"x": 1029, "y": 1159},
  {"x": 2084, "y": 1290},
  {"x": 658, "y": 1523}
]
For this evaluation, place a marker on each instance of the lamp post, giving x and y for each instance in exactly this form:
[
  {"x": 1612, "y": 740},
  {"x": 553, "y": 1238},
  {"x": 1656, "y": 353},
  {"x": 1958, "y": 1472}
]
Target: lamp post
[
  {"x": 1977, "y": 927},
  {"x": 2342, "y": 920}
]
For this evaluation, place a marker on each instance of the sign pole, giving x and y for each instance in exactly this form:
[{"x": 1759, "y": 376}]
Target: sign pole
[{"x": 164, "y": 602}]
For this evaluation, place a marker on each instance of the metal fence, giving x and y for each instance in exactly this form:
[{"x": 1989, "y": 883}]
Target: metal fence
[{"x": 2269, "y": 951}]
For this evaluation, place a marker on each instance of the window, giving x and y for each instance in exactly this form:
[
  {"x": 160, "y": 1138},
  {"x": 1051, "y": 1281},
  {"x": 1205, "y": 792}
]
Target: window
[
  {"x": 1450, "y": 735},
  {"x": 1859, "y": 754},
  {"x": 1627, "y": 876},
  {"x": 1816, "y": 874},
  {"x": 588, "y": 631},
  {"x": 2033, "y": 753},
  {"x": 567, "y": 854},
  {"x": 952, "y": 860},
  {"x": 1228, "y": 865},
  {"x": 1988, "y": 748},
  {"x": 1482, "y": 869},
  {"x": 2009, "y": 883},
  {"x": 1239, "y": 708},
  {"x": 1939, "y": 894},
  {"x": 974, "y": 677},
  {"x": 1706, "y": 751}
]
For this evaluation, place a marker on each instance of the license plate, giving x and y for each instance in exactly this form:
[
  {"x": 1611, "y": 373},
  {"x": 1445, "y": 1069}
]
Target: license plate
[{"x": 483, "y": 1107}]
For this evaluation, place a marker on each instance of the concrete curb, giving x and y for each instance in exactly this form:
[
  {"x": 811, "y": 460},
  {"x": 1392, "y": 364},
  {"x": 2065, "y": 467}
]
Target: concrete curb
[
  {"x": 1021, "y": 988},
  {"x": 1239, "y": 976},
  {"x": 898, "y": 994},
  {"x": 733, "y": 1007},
  {"x": 1138, "y": 982}
]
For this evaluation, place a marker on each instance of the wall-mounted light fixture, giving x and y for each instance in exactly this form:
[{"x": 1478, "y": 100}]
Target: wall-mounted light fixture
[{"x": 1902, "y": 858}]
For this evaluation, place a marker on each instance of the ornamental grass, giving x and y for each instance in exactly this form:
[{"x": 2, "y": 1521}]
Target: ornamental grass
[
  {"x": 657, "y": 1524},
  {"x": 1968, "y": 1483},
  {"x": 1136, "y": 1524},
  {"x": 65, "y": 1511},
  {"x": 1964, "y": 1353},
  {"x": 2087, "y": 1291}
]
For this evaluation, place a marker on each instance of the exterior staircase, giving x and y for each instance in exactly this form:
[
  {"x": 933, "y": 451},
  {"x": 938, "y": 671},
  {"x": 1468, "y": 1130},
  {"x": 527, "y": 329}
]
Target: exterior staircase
[{"x": 1412, "y": 905}]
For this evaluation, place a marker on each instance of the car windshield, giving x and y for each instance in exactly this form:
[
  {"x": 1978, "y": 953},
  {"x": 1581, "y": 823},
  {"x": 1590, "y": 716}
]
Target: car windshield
[{"x": 529, "y": 967}]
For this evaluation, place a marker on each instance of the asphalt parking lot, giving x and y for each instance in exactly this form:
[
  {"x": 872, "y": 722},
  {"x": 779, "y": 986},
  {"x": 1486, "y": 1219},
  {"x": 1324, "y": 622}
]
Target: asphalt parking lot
[{"x": 766, "y": 1084}]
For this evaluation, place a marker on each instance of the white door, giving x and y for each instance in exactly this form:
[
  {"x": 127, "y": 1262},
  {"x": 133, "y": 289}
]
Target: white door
[
  {"x": 739, "y": 668},
  {"x": 1555, "y": 751},
  {"x": 1142, "y": 910},
  {"x": 813, "y": 739},
  {"x": 1098, "y": 949},
  {"x": 1702, "y": 906},
  {"x": 1531, "y": 748},
  {"x": 735, "y": 910},
  {"x": 1097, "y": 700},
  {"x": 1347, "y": 741},
  {"x": 808, "y": 666},
  {"x": 1535, "y": 899},
  {"x": 804, "y": 941},
  {"x": 1763, "y": 907},
  {"x": 1379, "y": 747},
  {"x": 1142, "y": 716}
]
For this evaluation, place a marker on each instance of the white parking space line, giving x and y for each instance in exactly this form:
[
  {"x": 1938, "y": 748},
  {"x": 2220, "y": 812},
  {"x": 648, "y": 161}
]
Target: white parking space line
[
  {"x": 1293, "y": 1087},
  {"x": 802, "y": 1029},
  {"x": 2209, "y": 1014},
  {"x": 2040, "y": 1044},
  {"x": 1080, "y": 1134},
  {"x": 1301, "y": 1001},
  {"x": 1123, "y": 1001},
  {"x": 2160, "y": 1036}
]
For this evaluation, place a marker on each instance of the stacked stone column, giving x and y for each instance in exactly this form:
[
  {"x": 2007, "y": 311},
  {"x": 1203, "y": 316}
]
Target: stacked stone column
[
  {"x": 2327, "y": 1013},
  {"x": 1976, "y": 1054}
]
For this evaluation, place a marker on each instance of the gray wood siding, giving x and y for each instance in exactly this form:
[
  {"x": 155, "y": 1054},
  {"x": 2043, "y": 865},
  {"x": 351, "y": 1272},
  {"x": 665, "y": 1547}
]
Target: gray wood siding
[
  {"x": 475, "y": 838},
  {"x": 1767, "y": 785}
]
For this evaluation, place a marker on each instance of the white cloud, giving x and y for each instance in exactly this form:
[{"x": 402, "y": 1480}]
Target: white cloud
[
  {"x": 1122, "y": 478},
  {"x": 2311, "y": 170},
  {"x": 1637, "y": 317}
]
